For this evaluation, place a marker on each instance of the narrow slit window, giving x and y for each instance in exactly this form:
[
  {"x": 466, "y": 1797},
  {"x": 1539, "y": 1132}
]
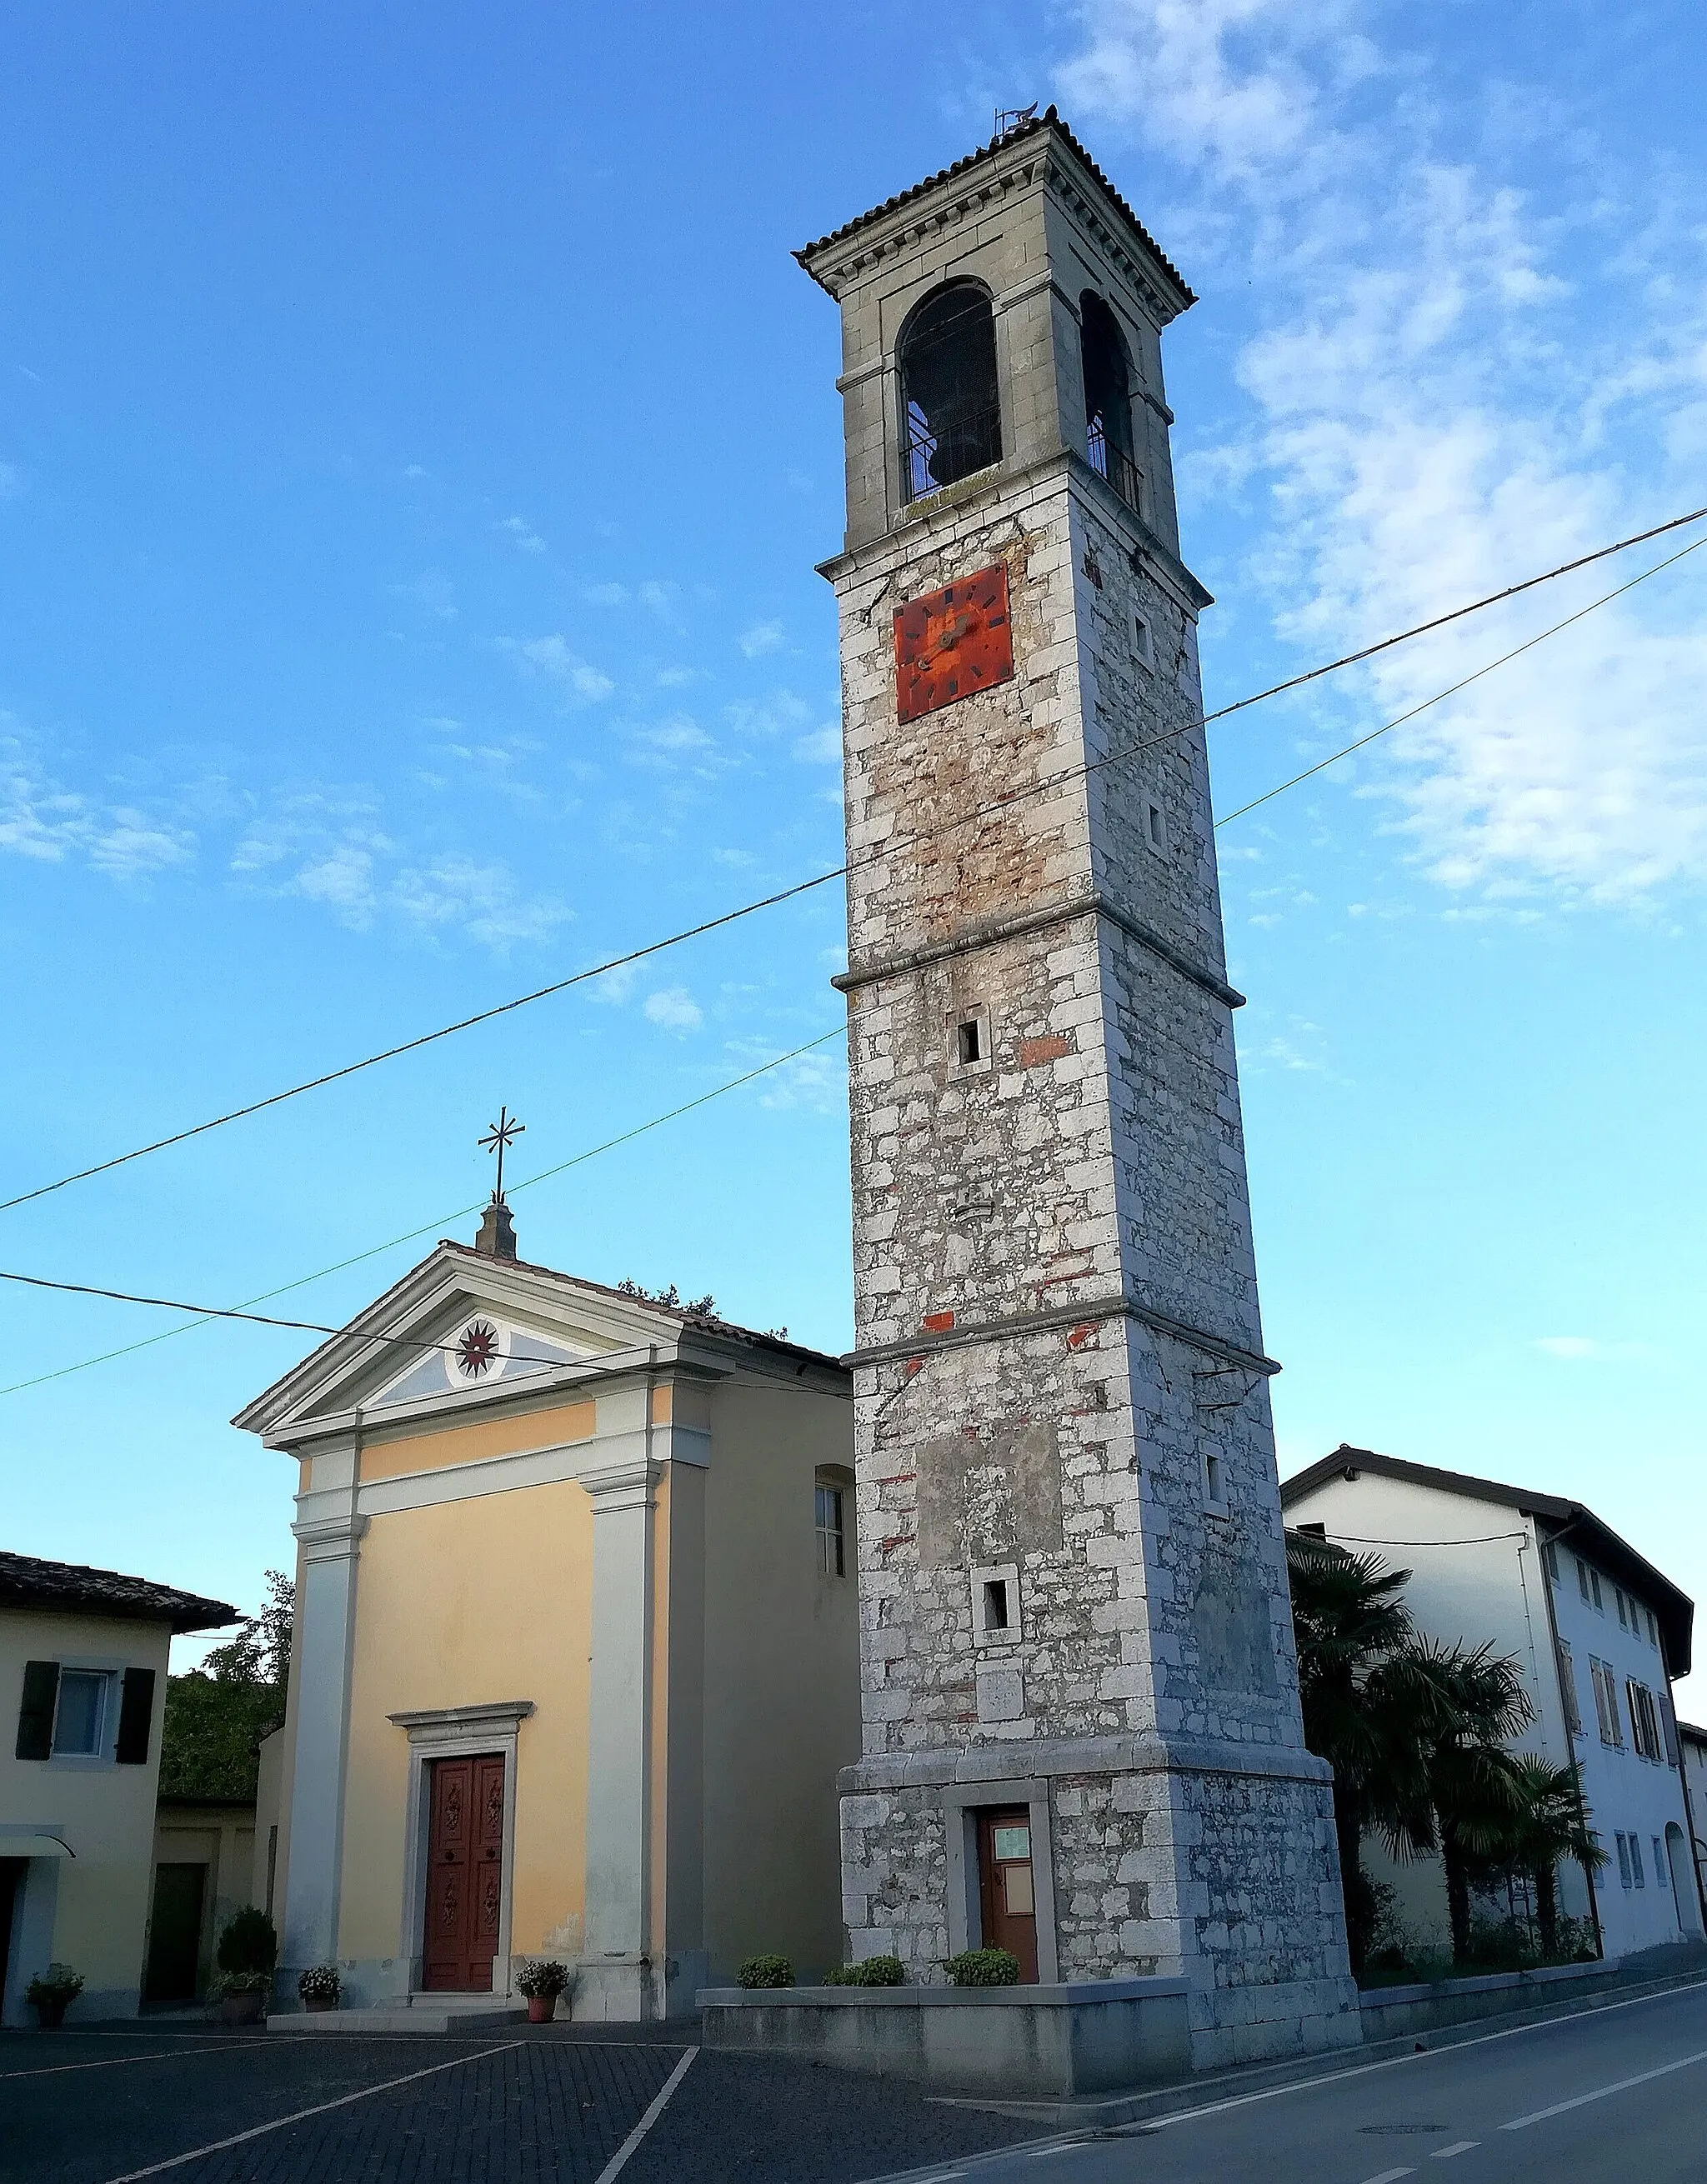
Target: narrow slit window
[
  {"x": 996, "y": 1616},
  {"x": 1143, "y": 641},
  {"x": 1214, "y": 1481},
  {"x": 1156, "y": 827},
  {"x": 968, "y": 1041}
]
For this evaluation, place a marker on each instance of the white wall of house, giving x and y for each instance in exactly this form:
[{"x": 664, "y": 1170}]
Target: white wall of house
[
  {"x": 1479, "y": 1578},
  {"x": 1694, "y": 1743}
]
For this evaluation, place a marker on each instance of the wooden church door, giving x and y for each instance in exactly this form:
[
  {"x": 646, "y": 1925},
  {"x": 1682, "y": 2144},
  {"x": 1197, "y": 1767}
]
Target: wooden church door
[
  {"x": 1005, "y": 1889},
  {"x": 464, "y": 1874}
]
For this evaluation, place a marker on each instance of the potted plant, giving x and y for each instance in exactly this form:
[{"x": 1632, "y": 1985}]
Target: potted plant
[
  {"x": 51, "y": 1992},
  {"x": 542, "y": 1979},
  {"x": 320, "y": 1987},
  {"x": 248, "y": 1950}
]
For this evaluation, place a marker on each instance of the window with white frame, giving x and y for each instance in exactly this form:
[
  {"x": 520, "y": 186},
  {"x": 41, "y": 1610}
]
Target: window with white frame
[
  {"x": 831, "y": 1529},
  {"x": 1582, "y": 1577},
  {"x": 1594, "y": 1588},
  {"x": 1636, "y": 1861},
  {"x": 1618, "y": 1595},
  {"x": 1624, "y": 1878},
  {"x": 1606, "y": 1704},
  {"x": 1662, "y": 1864},
  {"x": 1549, "y": 1559},
  {"x": 80, "y": 1719}
]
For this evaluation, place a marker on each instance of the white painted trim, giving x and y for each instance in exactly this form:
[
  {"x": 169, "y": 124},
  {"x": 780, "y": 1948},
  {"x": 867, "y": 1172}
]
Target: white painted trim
[
  {"x": 619, "y": 1755},
  {"x": 332, "y": 1548},
  {"x": 582, "y": 1460},
  {"x": 469, "y": 1732}
]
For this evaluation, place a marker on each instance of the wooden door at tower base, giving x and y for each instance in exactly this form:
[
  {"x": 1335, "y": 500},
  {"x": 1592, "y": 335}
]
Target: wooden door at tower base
[
  {"x": 1006, "y": 1890},
  {"x": 464, "y": 1874}
]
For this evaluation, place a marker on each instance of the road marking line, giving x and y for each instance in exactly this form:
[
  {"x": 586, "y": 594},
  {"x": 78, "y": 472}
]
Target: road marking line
[
  {"x": 300, "y": 2115},
  {"x": 644, "y": 2125},
  {"x": 1459, "y": 2146},
  {"x": 1605, "y": 2092},
  {"x": 1389, "y": 2176},
  {"x": 115, "y": 2062}
]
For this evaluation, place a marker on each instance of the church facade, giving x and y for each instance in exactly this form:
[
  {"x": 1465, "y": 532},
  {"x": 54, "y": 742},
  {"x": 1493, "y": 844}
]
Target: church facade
[
  {"x": 1081, "y": 1730},
  {"x": 575, "y": 1659}
]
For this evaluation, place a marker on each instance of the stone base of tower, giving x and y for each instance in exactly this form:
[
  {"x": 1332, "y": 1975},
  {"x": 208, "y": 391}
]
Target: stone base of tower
[{"x": 1210, "y": 1863}]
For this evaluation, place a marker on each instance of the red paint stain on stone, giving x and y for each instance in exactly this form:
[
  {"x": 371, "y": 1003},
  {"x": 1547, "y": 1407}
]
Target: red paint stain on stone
[
  {"x": 1053, "y": 1046},
  {"x": 1077, "y": 1337},
  {"x": 938, "y": 1322}
]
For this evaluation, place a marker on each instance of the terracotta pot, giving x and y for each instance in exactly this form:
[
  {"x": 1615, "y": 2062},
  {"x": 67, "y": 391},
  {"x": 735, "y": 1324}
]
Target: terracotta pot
[
  {"x": 541, "y": 2009},
  {"x": 52, "y": 2014},
  {"x": 319, "y": 2002},
  {"x": 242, "y": 2009}
]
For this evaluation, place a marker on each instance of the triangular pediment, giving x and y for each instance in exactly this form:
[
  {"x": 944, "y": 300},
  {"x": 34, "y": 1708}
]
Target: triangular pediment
[{"x": 456, "y": 1327}]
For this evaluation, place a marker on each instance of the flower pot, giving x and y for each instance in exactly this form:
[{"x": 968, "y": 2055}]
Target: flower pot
[
  {"x": 541, "y": 2009},
  {"x": 317, "y": 2001},
  {"x": 50, "y": 2012},
  {"x": 243, "y": 2009}
]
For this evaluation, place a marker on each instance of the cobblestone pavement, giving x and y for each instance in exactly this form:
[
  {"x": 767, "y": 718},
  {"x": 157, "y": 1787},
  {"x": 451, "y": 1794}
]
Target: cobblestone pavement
[{"x": 201, "y": 2105}]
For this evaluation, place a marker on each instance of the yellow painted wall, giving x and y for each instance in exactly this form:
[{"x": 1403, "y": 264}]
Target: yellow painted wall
[
  {"x": 781, "y": 1711},
  {"x": 105, "y": 1813},
  {"x": 385, "y": 1457},
  {"x": 472, "y": 1601}
]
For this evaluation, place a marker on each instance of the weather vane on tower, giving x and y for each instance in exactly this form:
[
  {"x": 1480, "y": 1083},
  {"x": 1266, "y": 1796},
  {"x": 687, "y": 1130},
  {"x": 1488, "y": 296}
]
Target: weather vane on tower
[{"x": 499, "y": 1134}]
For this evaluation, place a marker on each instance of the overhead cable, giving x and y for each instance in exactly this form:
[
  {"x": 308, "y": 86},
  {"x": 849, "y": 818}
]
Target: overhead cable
[{"x": 875, "y": 855}]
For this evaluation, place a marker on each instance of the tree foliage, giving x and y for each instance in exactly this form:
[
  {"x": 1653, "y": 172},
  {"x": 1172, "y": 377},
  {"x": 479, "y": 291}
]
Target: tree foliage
[
  {"x": 1417, "y": 1735},
  {"x": 216, "y": 1715}
]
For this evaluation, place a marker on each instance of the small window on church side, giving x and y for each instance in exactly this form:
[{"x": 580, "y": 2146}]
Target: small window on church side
[
  {"x": 951, "y": 408},
  {"x": 1156, "y": 827},
  {"x": 968, "y": 1045},
  {"x": 1215, "y": 1485},
  {"x": 832, "y": 1538},
  {"x": 1144, "y": 641}
]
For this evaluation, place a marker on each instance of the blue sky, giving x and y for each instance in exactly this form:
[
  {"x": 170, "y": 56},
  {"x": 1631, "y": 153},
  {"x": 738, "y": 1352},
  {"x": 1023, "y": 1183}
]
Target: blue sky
[{"x": 416, "y": 440}]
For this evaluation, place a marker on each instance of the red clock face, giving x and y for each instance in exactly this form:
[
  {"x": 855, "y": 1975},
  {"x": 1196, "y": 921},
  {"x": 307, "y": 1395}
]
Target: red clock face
[{"x": 951, "y": 642}]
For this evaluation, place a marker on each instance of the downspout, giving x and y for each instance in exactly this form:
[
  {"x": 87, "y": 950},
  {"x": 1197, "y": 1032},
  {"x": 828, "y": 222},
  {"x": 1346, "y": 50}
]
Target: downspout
[{"x": 1565, "y": 1716}]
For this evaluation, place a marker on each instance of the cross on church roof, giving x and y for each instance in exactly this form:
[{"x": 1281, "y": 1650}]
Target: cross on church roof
[{"x": 499, "y": 1134}]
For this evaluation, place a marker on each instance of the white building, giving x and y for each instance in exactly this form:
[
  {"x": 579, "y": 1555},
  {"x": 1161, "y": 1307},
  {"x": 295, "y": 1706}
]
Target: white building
[
  {"x": 1693, "y": 1741},
  {"x": 1598, "y": 1634}
]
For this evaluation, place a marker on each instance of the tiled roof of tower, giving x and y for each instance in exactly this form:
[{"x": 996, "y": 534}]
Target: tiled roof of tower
[
  {"x": 1049, "y": 118},
  {"x": 709, "y": 1321},
  {"x": 26, "y": 1581}
]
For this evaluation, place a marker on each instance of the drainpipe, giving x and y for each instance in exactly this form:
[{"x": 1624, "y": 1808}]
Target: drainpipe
[{"x": 1565, "y": 1713}]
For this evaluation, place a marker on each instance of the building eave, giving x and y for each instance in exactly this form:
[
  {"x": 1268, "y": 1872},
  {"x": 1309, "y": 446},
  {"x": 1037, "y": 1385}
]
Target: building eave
[{"x": 1557, "y": 1516}]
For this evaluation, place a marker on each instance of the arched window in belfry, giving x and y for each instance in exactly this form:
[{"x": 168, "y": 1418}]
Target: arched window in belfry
[
  {"x": 1108, "y": 399},
  {"x": 950, "y": 411}
]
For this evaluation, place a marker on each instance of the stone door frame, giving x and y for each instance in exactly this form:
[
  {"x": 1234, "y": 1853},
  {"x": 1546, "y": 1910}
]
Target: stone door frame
[
  {"x": 962, "y": 1801},
  {"x": 467, "y": 1732}
]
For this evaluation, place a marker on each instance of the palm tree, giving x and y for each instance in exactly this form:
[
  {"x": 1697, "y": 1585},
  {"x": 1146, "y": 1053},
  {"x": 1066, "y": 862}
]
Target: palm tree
[
  {"x": 1553, "y": 1824},
  {"x": 1478, "y": 1804}
]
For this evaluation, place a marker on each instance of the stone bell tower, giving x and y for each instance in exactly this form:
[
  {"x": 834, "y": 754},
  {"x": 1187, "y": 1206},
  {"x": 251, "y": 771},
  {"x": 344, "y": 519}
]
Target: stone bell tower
[{"x": 1082, "y": 1737}]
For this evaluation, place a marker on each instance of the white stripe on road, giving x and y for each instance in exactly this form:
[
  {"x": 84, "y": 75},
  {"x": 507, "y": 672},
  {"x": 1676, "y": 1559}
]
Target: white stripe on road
[
  {"x": 1389, "y": 2176},
  {"x": 646, "y": 2122},
  {"x": 300, "y": 2115},
  {"x": 1605, "y": 2092},
  {"x": 1459, "y": 2146},
  {"x": 113, "y": 2062}
]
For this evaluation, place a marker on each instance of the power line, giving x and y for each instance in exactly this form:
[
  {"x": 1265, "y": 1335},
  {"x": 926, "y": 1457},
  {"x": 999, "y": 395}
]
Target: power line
[
  {"x": 410, "y": 1236},
  {"x": 875, "y": 855},
  {"x": 1440, "y": 696}
]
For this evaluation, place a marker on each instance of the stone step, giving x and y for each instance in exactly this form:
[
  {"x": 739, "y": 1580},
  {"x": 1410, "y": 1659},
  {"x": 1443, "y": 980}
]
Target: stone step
[{"x": 413, "y": 2013}]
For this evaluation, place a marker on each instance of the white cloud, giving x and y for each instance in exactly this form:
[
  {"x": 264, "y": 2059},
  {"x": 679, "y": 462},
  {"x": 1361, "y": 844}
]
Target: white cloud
[
  {"x": 823, "y": 747},
  {"x": 679, "y": 735},
  {"x": 1568, "y": 1345},
  {"x": 555, "y": 657},
  {"x": 763, "y": 637},
  {"x": 43, "y": 820},
  {"x": 11, "y": 480},
  {"x": 606, "y": 595},
  {"x": 675, "y": 1009},
  {"x": 521, "y": 533},
  {"x": 432, "y": 593},
  {"x": 1445, "y": 389},
  {"x": 614, "y": 987}
]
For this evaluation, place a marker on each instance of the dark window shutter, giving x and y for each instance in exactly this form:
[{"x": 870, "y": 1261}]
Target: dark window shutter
[
  {"x": 136, "y": 1717},
  {"x": 36, "y": 1715}
]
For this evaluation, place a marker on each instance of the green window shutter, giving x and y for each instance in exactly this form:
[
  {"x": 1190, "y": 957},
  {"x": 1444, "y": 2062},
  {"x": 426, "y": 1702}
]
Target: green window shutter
[
  {"x": 136, "y": 1717},
  {"x": 36, "y": 1715}
]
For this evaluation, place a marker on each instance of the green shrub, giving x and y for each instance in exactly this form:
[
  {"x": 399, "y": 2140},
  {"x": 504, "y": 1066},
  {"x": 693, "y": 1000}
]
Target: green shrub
[
  {"x": 543, "y": 1975},
  {"x": 984, "y": 1968},
  {"x": 248, "y": 1943},
  {"x": 319, "y": 1983},
  {"x": 766, "y": 1971},
  {"x": 58, "y": 1983},
  {"x": 875, "y": 1972}
]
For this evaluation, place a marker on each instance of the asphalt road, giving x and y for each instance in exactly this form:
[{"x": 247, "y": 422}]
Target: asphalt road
[{"x": 1617, "y": 2097}]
